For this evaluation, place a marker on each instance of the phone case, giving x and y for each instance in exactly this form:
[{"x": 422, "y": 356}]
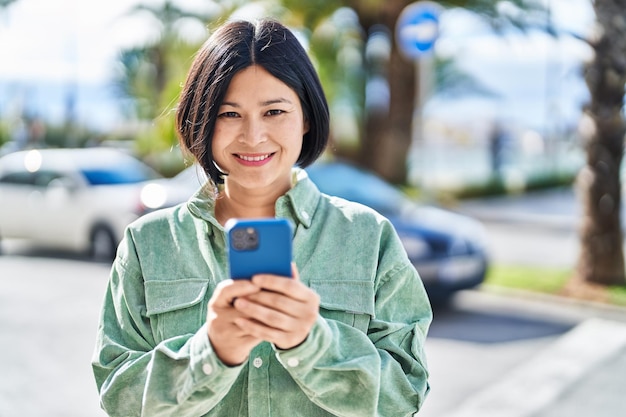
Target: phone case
[{"x": 259, "y": 246}]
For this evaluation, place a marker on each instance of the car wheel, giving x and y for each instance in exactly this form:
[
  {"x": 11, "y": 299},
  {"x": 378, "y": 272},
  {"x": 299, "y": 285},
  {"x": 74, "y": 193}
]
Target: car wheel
[{"x": 103, "y": 245}]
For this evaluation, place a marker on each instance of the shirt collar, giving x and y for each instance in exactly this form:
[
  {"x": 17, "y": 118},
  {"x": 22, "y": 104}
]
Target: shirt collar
[{"x": 298, "y": 204}]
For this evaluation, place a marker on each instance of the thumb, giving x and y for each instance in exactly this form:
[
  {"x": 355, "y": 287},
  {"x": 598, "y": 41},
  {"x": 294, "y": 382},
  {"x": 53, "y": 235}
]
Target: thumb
[{"x": 294, "y": 272}]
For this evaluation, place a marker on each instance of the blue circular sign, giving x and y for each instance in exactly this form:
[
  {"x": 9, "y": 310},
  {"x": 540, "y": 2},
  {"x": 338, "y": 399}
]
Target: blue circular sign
[{"x": 417, "y": 28}]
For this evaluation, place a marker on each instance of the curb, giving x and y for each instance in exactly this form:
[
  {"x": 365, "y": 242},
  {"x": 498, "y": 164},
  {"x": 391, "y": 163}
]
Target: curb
[{"x": 583, "y": 308}]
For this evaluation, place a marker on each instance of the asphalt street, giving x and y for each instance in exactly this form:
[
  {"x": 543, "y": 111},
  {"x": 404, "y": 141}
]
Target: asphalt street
[{"x": 48, "y": 316}]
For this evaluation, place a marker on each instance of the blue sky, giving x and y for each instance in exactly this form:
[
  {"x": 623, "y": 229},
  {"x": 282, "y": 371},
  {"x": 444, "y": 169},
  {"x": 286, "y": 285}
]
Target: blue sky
[
  {"x": 535, "y": 75},
  {"x": 64, "y": 40}
]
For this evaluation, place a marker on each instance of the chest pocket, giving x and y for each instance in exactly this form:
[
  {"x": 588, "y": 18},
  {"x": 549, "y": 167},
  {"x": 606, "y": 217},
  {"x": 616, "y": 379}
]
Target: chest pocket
[
  {"x": 350, "y": 302},
  {"x": 175, "y": 307}
]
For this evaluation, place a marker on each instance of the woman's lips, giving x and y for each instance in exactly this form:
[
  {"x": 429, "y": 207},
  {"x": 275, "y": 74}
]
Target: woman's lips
[{"x": 254, "y": 159}]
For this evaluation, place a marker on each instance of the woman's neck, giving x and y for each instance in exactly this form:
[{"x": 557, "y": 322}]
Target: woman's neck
[{"x": 236, "y": 203}]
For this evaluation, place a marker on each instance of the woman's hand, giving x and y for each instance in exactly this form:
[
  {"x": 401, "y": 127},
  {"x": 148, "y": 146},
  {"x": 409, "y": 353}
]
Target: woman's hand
[
  {"x": 282, "y": 312},
  {"x": 231, "y": 343}
]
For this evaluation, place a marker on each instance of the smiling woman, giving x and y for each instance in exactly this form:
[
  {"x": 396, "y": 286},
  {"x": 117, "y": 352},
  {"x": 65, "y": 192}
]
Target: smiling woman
[
  {"x": 178, "y": 337},
  {"x": 196, "y": 123}
]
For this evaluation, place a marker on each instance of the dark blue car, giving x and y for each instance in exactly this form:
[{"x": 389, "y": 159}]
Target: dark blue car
[{"x": 447, "y": 249}]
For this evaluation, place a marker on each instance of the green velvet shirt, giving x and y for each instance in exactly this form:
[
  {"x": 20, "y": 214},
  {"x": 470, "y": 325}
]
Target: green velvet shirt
[{"x": 363, "y": 357}]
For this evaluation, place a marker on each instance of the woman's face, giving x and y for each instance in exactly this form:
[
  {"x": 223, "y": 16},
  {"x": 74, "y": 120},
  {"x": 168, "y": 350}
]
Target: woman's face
[{"x": 258, "y": 133}]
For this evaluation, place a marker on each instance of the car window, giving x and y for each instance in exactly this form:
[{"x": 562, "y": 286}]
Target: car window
[
  {"x": 18, "y": 178},
  {"x": 44, "y": 178},
  {"x": 122, "y": 174},
  {"x": 356, "y": 185}
]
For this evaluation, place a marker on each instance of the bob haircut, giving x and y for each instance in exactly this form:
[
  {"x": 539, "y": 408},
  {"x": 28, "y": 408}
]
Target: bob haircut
[{"x": 232, "y": 48}]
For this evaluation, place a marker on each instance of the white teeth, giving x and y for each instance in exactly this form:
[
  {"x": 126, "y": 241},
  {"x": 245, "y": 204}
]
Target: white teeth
[{"x": 254, "y": 158}]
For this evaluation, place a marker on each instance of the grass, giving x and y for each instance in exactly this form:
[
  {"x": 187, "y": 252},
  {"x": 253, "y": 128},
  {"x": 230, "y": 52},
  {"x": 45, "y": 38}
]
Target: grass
[
  {"x": 618, "y": 296},
  {"x": 553, "y": 281}
]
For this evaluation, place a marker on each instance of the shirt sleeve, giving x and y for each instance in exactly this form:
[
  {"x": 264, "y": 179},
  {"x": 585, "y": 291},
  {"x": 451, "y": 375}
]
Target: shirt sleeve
[
  {"x": 350, "y": 373},
  {"x": 180, "y": 376}
]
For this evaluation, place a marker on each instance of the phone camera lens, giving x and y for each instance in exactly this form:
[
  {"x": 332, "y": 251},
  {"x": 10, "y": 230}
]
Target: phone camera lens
[{"x": 245, "y": 239}]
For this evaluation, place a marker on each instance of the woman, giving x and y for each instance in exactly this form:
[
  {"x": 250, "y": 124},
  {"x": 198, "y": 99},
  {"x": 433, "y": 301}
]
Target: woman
[{"x": 344, "y": 336}]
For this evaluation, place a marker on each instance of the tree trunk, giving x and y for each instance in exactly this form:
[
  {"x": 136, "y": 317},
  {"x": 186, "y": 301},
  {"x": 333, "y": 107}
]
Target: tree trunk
[
  {"x": 387, "y": 136},
  {"x": 601, "y": 258}
]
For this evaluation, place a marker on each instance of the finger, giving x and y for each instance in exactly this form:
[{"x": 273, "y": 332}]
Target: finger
[
  {"x": 292, "y": 288},
  {"x": 227, "y": 291},
  {"x": 266, "y": 315},
  {"x": 274, "y": 301},
  {"x": 295, "y": 275},
  {"x": 294, "y": 272},
  {"x": 259, "y": 330},
  {"x": 284, "y": 339}
]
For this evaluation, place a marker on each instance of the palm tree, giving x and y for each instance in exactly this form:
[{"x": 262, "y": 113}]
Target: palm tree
[
  {"x": 5, "y": 3},
  {"x": 601, "y": 258},
  {"x": 149, "y": 77},
  {"x": 386, "y": 137},
  {"x": 146, "y": 71}
]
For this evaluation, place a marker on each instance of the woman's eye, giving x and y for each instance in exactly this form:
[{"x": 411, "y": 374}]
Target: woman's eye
[
  {"x": 228, "y": 114},
  {"x": 275, "y": 112}
]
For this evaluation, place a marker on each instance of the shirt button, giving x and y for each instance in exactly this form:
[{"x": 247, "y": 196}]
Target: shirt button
[
  {"x": 257, "y": 362},
  {"x": 305, "y": 215},
  {"x": 207, "y": 369},
  {"x": 293, "y": 362}
]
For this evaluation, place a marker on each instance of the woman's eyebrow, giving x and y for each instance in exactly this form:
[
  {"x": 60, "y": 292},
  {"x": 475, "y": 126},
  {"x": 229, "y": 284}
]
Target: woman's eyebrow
[
  {"x": 263, "y": 103},
  {"x": 276, "y": 101}
]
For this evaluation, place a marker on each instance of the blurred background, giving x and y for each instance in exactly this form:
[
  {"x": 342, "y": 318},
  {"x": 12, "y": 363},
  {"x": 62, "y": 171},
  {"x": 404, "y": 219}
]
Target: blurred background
[
  {"x": 79, "y": 74},
  {"x": 491, "y": 133}
]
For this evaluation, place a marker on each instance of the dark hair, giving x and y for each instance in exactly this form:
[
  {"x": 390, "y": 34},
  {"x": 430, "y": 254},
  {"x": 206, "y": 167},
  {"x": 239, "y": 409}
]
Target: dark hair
[{"x": 232, "y": 48}]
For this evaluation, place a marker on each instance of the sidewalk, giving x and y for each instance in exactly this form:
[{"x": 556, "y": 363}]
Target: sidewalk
[{"x": 580, "y": 375}]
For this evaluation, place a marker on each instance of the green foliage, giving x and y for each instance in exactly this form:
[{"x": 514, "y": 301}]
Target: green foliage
[
  {"x": 311, "y": 13},
  {"x": 5, "y": 3},
  {"x": 67, "y": 136},
  {"x": 521, "y": 14},
  {"x": 451, "y": 80},
  {"x": 546, "y": 280},
  {"x": 500, "y": 185},
  {"x": 531, "y": 278},
  {"x": 617, "y": 295},
  {"x": 4, "y": 133},
  {"x": 337, "y": 46}
]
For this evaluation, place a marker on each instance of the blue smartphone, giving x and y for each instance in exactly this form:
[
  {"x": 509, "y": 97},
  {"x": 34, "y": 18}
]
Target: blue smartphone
[{"x": 259, "y": 246}]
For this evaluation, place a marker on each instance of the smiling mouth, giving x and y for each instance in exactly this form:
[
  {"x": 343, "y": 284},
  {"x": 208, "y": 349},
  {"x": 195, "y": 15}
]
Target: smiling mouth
[{"x": 255, "y": 158}]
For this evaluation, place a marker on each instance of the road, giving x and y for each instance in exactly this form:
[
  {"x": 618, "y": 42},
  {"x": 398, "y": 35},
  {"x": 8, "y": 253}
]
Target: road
[
  {"x": 538, "y": 228},
  {"x": 48, "y": 316}
]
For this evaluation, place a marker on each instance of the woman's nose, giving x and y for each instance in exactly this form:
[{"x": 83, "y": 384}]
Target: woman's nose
[{"x": 254, "y": 132}]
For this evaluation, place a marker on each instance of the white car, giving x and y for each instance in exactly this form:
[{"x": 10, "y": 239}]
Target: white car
[{"x": 75, "y": 199}]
